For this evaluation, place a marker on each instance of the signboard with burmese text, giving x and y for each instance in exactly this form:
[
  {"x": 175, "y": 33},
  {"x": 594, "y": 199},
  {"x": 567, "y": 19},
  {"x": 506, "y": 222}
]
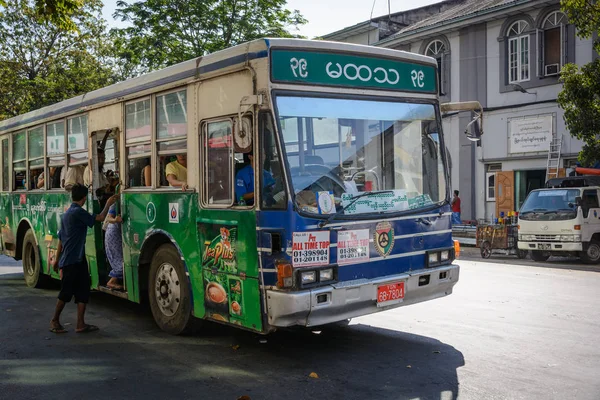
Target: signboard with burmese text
[
  {"x": 530, "y": 134},
  {"x": 331, "y": 69}
]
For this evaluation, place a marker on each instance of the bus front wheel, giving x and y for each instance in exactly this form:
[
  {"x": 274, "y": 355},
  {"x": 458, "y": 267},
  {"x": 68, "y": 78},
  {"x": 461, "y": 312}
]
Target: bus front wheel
[
  {"x": 32, "y": 269},
  {"x": 169, "y": 291}
]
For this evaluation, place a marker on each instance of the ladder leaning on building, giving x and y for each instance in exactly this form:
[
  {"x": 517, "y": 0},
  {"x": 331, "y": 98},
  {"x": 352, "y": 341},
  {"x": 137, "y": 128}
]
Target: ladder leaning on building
[{"x": 553, "y": 165}]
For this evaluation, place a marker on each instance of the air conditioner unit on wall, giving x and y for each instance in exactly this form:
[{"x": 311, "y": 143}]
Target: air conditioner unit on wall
[{"x": 551, "y": 69}]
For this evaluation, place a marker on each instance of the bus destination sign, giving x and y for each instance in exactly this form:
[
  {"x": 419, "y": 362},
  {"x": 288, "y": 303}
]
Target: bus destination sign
[{"x": 316, "y": 68}]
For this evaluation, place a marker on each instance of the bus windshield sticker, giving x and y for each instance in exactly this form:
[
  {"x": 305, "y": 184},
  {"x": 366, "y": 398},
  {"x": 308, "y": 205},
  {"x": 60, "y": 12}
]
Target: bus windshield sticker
[
  {"x": 326, "y": 203},
  {"x": 353, "y": 246},
  {"x": 389, "y": 200},
  {"x": 419, "y": 201},
  {"x": 310, "y": 248},
  {"x": 174, "y": 213},
  {"x": 318, "y": 68}
]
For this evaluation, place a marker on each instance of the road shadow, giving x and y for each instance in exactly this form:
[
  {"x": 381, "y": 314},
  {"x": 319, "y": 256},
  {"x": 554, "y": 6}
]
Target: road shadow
[{"x": 131, "y": 358}]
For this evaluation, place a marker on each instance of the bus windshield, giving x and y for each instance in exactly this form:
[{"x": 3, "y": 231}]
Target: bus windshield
[
  {"x": 550, "y": 205},
  {"x": 386, "y": 152}
]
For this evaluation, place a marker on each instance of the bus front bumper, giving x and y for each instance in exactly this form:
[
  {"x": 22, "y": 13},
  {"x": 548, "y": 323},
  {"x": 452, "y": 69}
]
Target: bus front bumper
[
  {"x": 551, "y": 246},
  {"x": 344, "y": 300}
]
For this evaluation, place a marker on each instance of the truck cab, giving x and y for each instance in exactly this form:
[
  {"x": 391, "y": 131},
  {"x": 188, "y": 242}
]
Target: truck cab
[{"x": 562, "y": 219}]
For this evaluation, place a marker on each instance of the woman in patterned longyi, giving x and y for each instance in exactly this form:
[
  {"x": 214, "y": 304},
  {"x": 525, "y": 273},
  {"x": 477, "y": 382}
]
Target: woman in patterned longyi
[{"x": 113, "y": 244}]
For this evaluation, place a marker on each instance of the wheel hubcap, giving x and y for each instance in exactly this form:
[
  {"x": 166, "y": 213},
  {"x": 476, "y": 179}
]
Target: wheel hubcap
[{"x": 167, "y": 289}]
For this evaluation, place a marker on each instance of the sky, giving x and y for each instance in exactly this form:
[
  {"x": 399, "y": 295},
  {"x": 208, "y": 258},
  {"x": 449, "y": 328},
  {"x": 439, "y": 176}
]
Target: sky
[{"x": 324, "y": 16}]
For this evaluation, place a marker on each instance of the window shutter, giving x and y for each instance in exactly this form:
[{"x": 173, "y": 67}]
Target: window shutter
[{"x": 540, "y": 52}]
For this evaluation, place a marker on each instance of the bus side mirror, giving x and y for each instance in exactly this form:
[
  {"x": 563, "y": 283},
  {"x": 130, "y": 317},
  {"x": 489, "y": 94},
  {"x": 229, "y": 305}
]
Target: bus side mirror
[{"x": 473, "y": 130}]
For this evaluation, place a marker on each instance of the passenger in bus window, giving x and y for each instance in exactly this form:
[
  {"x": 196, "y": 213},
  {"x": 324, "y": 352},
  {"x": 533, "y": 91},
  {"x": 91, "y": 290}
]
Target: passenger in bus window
[
  {"x": 176, "y": 172},
  {"x": 147, "y": 175},
  {"x": 244, "y": 182},
  {"x": 55, "y": 173},
  {"x": 74, "y": 175},
  {"x": 88, "y": 177},
  {"x": 35, "y": 176}
]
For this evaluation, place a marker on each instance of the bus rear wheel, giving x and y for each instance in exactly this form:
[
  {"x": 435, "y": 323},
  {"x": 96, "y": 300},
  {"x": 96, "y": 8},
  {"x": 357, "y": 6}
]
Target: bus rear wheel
[
  {"x": 32, "y": 269},
  {"x": 169, "y": 291}
]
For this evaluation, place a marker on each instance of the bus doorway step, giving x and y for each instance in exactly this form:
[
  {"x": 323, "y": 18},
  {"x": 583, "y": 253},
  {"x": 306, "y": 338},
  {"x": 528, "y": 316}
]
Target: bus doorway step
[{"x": 119, "y": 293}]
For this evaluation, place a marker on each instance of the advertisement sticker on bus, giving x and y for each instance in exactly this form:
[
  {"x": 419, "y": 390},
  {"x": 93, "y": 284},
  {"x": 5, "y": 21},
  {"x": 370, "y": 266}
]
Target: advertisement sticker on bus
[
  {"x": 310, "y": 249},
  {"x": 174, "y": 213},
  {"x": 353, "y": 246}
]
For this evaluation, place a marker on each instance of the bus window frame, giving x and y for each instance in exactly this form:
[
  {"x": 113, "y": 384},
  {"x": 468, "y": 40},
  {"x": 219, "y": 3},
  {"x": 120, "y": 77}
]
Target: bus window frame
[
  {"x": 203, "y": 131},
  {"x": 157, "y": 141},
  {"x": 6, "y": 138},
  {"x": 77, "y": 152},
  {"x": 267, "y": 114},
  {"x": 12, "y": 176},
  {"x": 151, "y": 141},
  {"x": 43, "y": 157},
  {"x": 64, "y": 154}
]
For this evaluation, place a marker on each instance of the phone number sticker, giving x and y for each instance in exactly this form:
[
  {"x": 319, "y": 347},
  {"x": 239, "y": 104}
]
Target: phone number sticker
[
  {"x": 353, "y": 246},
  {"x": 310, "y": 249}
]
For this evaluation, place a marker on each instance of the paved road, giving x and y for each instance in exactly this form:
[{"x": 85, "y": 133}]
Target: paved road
[{"x": 508, "y": 332}]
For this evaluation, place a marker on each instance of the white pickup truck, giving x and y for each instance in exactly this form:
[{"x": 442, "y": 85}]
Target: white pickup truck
[{"x": 562, "y": 220}]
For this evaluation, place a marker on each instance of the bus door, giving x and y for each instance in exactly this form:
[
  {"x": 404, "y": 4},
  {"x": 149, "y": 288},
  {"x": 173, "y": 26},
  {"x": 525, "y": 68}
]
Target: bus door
[
  {"x": 227, "y": 226},
  {"x": 101, "y": 176}
]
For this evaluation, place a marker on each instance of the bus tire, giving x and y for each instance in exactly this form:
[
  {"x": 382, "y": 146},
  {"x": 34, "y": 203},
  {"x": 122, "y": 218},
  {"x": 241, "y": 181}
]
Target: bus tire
[
  {"x": 592, "y": 254},
  {"x": 540, "y": 256},
  {"x": 32, "y": 268},
  {"x": 169, "y": 291}
]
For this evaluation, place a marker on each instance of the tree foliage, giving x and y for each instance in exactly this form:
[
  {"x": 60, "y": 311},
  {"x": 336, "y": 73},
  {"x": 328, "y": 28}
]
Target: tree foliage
[
  {"x": 166, "y": 32},
  {"x": 58, "y": 12},
  {"x": 580, "y": 96},
  {"x": 42, "y": 63}
]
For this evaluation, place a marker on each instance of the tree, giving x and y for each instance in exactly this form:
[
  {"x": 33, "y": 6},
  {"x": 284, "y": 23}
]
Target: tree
[
  {"x": 580, "y": 95},
  {"x": 59, "y": 12},
  {"x": 42, "y": 63},
  {"x": 166, "y": 32}
]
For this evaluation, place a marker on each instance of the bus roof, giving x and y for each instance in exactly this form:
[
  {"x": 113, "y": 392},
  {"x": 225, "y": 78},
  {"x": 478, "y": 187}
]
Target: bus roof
[{"x": 231, "y": 57}]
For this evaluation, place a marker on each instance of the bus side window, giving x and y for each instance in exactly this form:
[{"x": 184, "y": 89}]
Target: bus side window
[
  {"x": 4, "y": 165},
  {"x": 273, "y": 194},
  {"x": 55, "y": 152},
  {"x": 218, "y": 153},
  {"x": 589, "y": 201},
  {"x": 171, "y": 138}
]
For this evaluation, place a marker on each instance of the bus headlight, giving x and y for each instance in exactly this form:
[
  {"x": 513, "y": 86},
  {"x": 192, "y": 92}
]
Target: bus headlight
[
  {"x": 577, "y": 238},
  {"x": 433, "y": 258},
  {"x": 566, "y": 238},
  {"x": 308, "y": 277},
  {"x": 326, "y": 275},
  {"x": 445, "y": 255}
]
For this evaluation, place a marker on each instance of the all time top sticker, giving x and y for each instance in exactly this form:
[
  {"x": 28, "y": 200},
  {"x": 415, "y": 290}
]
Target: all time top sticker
[{"x": 310, "y": 249}]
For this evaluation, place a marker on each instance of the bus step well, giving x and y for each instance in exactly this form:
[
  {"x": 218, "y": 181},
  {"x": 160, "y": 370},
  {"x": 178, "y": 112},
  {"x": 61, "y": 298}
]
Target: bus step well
[{"x": 119, "y": 293}]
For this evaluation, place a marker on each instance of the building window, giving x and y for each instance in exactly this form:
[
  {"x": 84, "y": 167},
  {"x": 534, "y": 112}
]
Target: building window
[
  {"x": 552, "y": 44},
  {"x": 518, "y": 52},
  {"x": 490, "y": 186},
  {"x": 437, "y": 49}
]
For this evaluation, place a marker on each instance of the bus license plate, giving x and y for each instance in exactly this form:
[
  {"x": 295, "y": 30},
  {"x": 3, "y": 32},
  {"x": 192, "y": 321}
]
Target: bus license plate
[
  {"x": 544, "y": 246},
  {"x": 390, "y": 294}
]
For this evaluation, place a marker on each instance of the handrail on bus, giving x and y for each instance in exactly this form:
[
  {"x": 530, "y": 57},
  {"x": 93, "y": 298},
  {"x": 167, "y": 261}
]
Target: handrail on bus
[{"x": 475, "y": 126}]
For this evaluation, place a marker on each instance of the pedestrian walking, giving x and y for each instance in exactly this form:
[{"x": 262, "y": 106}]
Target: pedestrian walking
[
  {"x": 70, "y": 258},
  {"x": 456, "y": 209}
]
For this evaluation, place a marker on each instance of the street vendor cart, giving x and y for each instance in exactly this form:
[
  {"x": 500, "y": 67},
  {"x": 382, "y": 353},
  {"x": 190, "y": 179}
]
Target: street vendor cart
[{"x": 498, "y": 238}]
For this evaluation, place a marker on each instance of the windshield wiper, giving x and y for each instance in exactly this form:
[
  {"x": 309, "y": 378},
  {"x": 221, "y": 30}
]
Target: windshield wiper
[{"x": 354, "y": 200}]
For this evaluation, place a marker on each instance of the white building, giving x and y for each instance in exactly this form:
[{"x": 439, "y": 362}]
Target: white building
[{"x": 507, "y": 55}]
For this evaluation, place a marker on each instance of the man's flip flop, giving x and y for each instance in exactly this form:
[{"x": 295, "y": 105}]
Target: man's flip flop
[
  {"x": 87, "y": 329},
  {"x": 59, "y": 329}
]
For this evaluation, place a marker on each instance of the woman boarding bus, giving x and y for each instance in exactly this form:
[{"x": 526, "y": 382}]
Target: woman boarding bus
[{"x": 348, "y": 215}]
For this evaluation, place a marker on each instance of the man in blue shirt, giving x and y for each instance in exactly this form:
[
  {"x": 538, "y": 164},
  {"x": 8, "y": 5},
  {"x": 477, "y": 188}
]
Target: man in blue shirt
[
  {"x": 70, "y": 258},
  {"x": 244, "y": 182}
]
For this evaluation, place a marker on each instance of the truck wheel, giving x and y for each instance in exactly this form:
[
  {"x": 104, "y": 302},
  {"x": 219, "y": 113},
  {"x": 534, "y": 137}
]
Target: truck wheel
[
  {"x": 486, "y": 249},
  {"x": 592, "y": 254},
  {"x": 169, "y": 291},
  {"x": 32, "y": 269},
  {"x": 521, "y": 254},
  {"x": 540, "y": 256}
]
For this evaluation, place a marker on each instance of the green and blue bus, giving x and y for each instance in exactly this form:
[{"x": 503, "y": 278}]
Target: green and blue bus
[{"x": 351, "y": 216}]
